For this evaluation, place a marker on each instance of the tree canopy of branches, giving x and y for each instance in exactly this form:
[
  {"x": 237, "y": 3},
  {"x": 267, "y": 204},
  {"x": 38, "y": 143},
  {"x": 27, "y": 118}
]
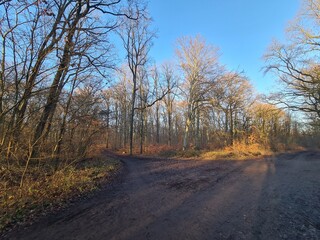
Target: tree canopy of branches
[
  {"x": 137, "y": 41},
  {"x": 233, "y": 94},
  {"x": 52, "y": 53},
  {"x": 199, "y": 64},
  {"x": 297, "y": 63}
]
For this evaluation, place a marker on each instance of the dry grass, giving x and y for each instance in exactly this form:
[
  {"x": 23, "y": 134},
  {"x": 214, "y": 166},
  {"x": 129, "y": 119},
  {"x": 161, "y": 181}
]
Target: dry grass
[
  {"x": 45, "y": 190},
  {"x": 160, "y": 150},
  {"x": 152, "y": 150},
  {"x": 238, "y": 151}
]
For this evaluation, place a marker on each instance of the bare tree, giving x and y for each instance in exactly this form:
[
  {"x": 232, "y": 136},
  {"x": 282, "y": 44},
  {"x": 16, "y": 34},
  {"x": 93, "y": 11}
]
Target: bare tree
[
  {"x": 137, "y": 41},
  {"x": 170, "y": 85},
  {"x": 79, "y": 28},
  {"x": 232, "y": 94},
  {"x": 296, "y": 64},
  {"x": 200, "y": 67},
  {"x": 156, "y": 81},
  {"x": 299, "y": 75}
]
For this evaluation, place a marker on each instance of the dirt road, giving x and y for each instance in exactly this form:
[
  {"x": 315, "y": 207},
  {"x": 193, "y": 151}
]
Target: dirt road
[{"x": 276, "y": 198}]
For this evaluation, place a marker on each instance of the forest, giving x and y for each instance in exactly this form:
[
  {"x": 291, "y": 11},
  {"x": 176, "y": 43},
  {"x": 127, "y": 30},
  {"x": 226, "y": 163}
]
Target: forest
[{"x": 67, "y": 91}]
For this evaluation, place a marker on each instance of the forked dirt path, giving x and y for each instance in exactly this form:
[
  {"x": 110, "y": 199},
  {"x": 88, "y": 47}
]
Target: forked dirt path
[{"x": 275, "y": 198}]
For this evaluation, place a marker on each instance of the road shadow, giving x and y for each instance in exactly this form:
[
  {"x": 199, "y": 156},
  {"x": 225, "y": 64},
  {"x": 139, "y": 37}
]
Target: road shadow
[{"x": 289, "y": 206}]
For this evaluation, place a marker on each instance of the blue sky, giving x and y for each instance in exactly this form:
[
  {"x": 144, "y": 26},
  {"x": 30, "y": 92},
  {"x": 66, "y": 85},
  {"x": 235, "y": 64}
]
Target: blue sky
[{"x": 242, "y": 29}]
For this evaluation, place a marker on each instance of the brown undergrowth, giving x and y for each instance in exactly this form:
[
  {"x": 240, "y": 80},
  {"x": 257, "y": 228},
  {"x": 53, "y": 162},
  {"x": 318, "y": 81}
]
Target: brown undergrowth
[
  {"x": 237, "y": 151},
  {"x": 45, "y": 189}
]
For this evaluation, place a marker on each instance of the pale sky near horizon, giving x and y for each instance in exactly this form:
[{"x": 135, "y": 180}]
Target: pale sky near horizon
[{"x": 241, "y": 29}]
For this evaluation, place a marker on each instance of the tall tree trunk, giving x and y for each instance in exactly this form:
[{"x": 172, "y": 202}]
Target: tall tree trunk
[
  {"x": 62, "y": 131},
  {"x": 124, "y": 126},
  {"x": 46, "y": 48},
  {"x": 141, "y": 131},
  {"x": 145, "y": 119},
  {"x": 231, "y": 127},
  {"x": 169, "y": 112},
  {"x": 107, "y": 127},
  {"x": 226, "y": 120},
  {"x": 157, "y": 123},
  {"x": 198, "y": 128},
  {"x": 187, "y": 129},
  {"x": 133, "y": 100},
  {"x": 54, "y": 92},
  {"x": 2, "y": 81}
]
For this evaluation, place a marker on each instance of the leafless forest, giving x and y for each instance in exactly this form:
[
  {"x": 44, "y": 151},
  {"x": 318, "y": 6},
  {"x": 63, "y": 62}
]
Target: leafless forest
[{"x": 65, "y": 89}]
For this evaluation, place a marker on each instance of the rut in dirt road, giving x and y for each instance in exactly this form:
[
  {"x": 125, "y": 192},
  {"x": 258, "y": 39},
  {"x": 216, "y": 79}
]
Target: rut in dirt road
[{"x": 276, "y": 198}]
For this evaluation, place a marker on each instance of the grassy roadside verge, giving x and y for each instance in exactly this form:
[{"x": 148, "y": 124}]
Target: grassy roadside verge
[
  {"x": 235, "y": 152},
  {"x": 238, "y": 152},
  {"x": 43, "y": 191}
]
